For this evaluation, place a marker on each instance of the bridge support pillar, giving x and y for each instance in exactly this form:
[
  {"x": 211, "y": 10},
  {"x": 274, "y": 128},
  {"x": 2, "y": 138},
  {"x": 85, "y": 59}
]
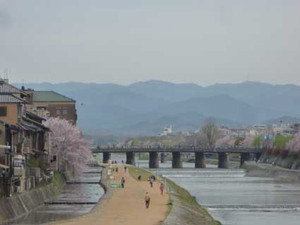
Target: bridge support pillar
[
  {"x": 163, "y": 157},
  {"x": 257, "y": 156},
  {"x": 199, "y": 160},
  {"x": 106, "y": 157},
  {"x": 130, "y": 158},
  {"x": 176, "y": 160},
  {"x": 153, "y": 160},
  {"x": 223, "y": 161},
  {"x": 244, "y": 157}
]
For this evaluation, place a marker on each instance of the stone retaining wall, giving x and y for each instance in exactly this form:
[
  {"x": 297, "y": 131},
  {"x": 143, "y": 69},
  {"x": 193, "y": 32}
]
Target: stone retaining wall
[
  {"x": 266, "y": 170},
  {"x": 21, "y": 204}
]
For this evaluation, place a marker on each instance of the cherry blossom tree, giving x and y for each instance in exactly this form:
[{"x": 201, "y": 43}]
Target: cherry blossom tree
[
  {"x": 294, "y": 144},
  {"x": 70, "y": 147},
  {"x": 248, "y": 141},
  {"x": 225, "y": 142}
]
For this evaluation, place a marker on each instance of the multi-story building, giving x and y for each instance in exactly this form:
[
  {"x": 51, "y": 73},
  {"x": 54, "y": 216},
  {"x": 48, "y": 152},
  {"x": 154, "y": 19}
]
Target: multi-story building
[
  {"x": 23, "y": 137},
  {"x": 296, "y": 128},
  {"x": 51, "y": 104},
  {"x": 12, "y": 101},
  {"x": 167, "y": 131}
]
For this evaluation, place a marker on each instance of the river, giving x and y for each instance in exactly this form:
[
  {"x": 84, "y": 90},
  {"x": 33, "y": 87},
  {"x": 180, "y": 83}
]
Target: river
[
  {"x": 85, "y": 190},
  {"x": 234, "y": 198}
]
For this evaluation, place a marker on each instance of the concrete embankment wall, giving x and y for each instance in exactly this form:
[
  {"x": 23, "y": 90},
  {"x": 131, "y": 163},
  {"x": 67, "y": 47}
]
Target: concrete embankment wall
[
  {"x": 21, "y": 204},
  {"x": 105, "y": 184},
  {"x": 288, "y": 162},
  {"x": 267, "y": 170}
]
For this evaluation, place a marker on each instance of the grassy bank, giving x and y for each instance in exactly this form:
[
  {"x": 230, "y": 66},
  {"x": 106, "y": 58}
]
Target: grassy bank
[
  {"x": 183, "y": 208},
  {"x": 58, "y": 181}
]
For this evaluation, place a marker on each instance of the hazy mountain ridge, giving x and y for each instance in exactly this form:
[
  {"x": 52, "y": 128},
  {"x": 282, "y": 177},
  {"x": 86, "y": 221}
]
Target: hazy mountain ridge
[
  {"x": 145, "y": 107},
  {"x": 284, "y": 120}
]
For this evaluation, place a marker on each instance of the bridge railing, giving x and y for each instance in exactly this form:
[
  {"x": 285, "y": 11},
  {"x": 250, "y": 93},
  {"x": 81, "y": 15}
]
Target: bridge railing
[{"x": 179, "y": 147}]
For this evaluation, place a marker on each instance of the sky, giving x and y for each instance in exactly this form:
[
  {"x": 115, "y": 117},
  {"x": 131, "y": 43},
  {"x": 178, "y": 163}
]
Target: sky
[{"x": 118, "y": 41}]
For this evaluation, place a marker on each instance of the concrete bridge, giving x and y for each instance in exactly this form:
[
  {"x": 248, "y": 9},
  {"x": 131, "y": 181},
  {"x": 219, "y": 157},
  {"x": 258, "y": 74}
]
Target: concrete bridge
[{"x": 176, "y": 154}]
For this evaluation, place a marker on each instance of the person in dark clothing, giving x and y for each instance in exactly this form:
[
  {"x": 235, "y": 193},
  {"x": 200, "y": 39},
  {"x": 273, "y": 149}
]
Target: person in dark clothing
[
  {"x": 151, "y": 181},
  {"x": 147, "y": 200},
  {"x": 123, "y": 182}
]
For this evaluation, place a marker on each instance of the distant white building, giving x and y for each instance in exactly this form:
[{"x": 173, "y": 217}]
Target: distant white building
[
  {"x": 260, "y": 127},
  {"x": 167, "y": 131},
  {"x": 284, "y": 129}
]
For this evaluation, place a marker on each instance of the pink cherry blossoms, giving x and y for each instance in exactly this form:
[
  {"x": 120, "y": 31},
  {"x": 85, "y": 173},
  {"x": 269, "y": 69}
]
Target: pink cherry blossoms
[
  {"x": 70, "y": 147},
  {"x": 229, "y": 141},
  {"x": 294, "y": 144},
  {"x": 248, "y": 141},
  {"x": 225, "y": 142}
]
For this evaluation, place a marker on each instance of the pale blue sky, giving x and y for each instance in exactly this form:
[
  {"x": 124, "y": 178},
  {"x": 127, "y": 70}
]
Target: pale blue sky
[{"x": 200, "y": 41}]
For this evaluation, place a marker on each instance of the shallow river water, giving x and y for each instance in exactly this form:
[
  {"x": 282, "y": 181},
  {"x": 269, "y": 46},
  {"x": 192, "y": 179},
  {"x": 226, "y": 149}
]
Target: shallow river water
[
  {"x": 228, "y": 194},
  {"x": 235, "y": 199},
  {"x": 71, "y": 193}
]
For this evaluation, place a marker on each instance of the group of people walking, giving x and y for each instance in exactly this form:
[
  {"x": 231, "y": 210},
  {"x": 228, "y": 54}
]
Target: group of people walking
[{"x": 151, "y": 180}]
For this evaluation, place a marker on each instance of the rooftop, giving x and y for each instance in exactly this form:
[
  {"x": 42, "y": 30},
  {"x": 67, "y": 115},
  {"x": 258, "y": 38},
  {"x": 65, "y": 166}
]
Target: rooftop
[
  {"x": 50, "y": 96},
  {"x": 6, "y": 88},
  {"x": 7, "y": 98}
]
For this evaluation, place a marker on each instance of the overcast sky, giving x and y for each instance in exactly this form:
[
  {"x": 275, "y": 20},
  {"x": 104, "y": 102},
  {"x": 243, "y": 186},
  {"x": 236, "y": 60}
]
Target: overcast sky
[{"x": 124, "y": 41}]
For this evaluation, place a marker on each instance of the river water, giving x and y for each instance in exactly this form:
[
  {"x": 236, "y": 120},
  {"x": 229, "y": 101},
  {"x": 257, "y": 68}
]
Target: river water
[
  {"x": 234, "y": 198},
  {"x": 85, "y": 190}
]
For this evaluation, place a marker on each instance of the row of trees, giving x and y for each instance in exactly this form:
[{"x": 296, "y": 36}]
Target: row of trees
[
  {"x": 210, "y": 137},
  {"x": 71, "y": 149}
]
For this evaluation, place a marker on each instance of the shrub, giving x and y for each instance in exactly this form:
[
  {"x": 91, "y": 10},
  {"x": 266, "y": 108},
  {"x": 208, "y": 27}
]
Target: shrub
[{"x": 284, "y": 153}]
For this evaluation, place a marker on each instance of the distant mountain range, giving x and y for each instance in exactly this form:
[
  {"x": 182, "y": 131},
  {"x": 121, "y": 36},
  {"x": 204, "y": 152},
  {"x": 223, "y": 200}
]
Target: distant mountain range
[{"x": 144, "y": 108}]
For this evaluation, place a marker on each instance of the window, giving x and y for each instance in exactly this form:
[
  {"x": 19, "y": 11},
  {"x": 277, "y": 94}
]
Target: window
[
  {"x": 41, "y": 108},
  {"x": 65, "y": 112},
  {"x": 58, "y": 112},
  {"x": 3, "y": 111}
]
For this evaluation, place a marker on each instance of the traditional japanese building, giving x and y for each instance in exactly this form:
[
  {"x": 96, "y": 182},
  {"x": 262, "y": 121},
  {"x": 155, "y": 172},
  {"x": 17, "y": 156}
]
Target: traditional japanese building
[{"x": 23, "y": 140}]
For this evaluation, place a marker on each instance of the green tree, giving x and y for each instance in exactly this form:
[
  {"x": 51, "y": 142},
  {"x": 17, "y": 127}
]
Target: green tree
[
  {"x": 280, "y": 141},
  {"x": 257, "y": 141}
]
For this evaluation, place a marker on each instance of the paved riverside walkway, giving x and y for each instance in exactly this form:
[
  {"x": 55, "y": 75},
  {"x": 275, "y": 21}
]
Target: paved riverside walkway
[{"x": 127, "y": 206}]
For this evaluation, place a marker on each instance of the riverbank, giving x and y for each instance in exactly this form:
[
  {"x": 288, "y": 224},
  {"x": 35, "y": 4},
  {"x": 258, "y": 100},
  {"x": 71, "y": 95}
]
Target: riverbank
[
  {"x": 268, "y": 170},
  {"x": 21, "y": 204},
  {"x": 183, "y": 208},
  {"x": 125, "y": 205}
]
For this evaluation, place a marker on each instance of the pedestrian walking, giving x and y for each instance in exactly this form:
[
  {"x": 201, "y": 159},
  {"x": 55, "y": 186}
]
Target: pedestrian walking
[
  {"x": 151, "y": 181},
  {"x": 123, "y": 182},
  {"x": 147, "y": 200},
  {"x": 125, "y": 168},
  {"x": 162, "y": 187}
]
